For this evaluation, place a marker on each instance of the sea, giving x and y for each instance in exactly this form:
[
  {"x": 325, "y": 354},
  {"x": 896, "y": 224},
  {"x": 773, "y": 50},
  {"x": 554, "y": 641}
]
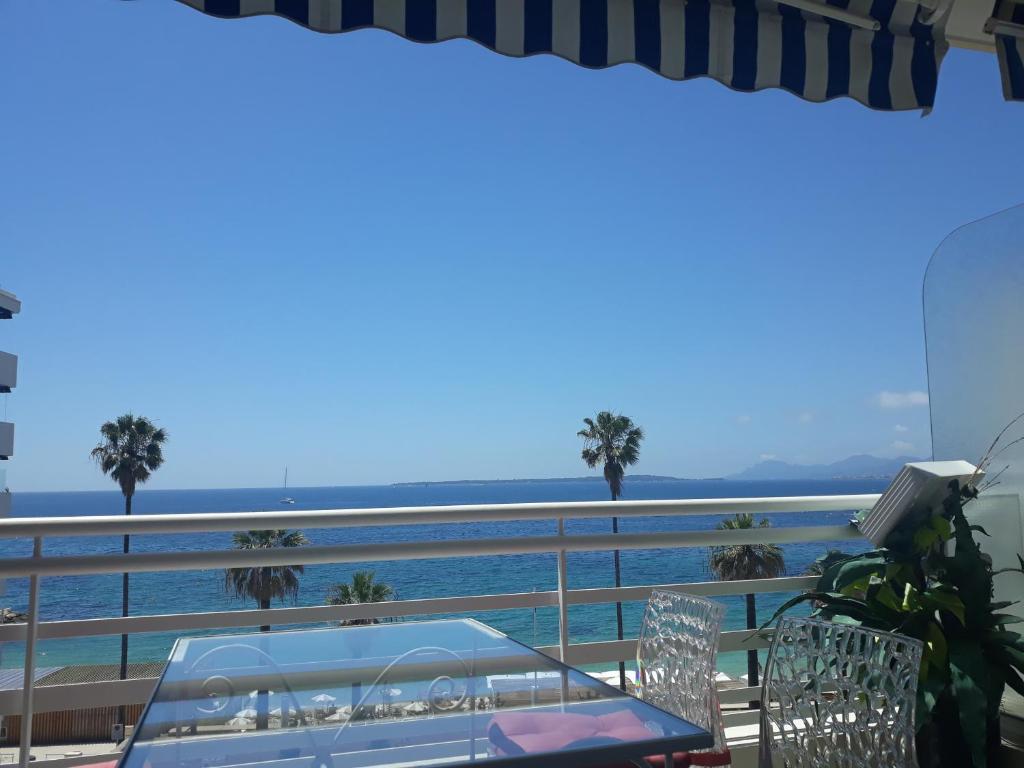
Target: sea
[{"x": 81, "y": 597}]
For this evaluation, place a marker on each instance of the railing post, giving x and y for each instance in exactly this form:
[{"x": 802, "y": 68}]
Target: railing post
[
  {"x": 28, "y": 685},
  {"x": 563, "y": 600}
]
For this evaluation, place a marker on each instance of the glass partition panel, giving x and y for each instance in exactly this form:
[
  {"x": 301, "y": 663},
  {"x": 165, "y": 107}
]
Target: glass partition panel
[{"x": 974, "y": 331}]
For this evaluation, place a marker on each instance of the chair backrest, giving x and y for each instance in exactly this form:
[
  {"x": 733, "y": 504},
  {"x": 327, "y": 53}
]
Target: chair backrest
[
  {"x": 839, "y": 696},
  {"x": 676, "y": 658}
]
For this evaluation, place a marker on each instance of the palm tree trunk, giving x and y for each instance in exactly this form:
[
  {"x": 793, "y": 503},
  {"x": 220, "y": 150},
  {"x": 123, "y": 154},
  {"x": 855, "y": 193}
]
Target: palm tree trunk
[
  {"x": 752, "y": 655},
  {"x": 263, "y": 697},
  {"x": 618, "y": 606},
  {"x": 124, "y": 612}
]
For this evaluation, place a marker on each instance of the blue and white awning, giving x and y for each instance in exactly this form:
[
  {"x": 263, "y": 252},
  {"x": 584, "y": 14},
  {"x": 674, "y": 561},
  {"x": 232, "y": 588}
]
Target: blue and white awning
[
  {"x": 1007, "y": 24},
  {"x": 883, "y": 53}
]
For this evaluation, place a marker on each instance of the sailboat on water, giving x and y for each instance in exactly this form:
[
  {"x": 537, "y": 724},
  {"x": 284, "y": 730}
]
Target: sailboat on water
[{"x": 287, "y": 499}]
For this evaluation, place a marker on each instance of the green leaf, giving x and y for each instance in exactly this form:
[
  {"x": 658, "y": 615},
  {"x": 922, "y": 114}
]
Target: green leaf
[
  {"x": 970, "y": 677},
  {"x": 942, "y": 527},
  {"x": 928, "y": 693},
  {"x": 856, "y": 568},
  {"x": 936, "y": 648},
  {"x": 925, "y": 538},
  {"x": 944, "y": 600},
  {"x": 792, "y": 602},
  {"x": 1014, "y": 680},
  {"x": 980, "y": 530},
  {"x": 1005, "y": 619},
  {"x": 887, "y": 597}
]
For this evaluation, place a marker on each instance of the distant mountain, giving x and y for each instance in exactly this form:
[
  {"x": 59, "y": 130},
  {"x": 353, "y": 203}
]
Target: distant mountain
[
  {"x": 540, "y": 480},
  {"x": 862, "y": 466}
]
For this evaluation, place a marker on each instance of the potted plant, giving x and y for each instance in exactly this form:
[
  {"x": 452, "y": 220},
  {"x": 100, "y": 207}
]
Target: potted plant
[{"x": 932, "y": 581}]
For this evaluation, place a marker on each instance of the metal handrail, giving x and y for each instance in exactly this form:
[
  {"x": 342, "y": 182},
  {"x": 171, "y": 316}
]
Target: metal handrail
[{"x": 107, "y": 525}]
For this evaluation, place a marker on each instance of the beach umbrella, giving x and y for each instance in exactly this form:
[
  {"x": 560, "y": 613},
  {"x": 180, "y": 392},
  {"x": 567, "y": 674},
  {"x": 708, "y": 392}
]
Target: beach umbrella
[
  {"x": 324, "y": 698},
  {"x": 240, "y": 722},
  {"x": 248, "y": 712},
  {"x": 416, "y": 708},
  {"x": 337, "y": 717}
]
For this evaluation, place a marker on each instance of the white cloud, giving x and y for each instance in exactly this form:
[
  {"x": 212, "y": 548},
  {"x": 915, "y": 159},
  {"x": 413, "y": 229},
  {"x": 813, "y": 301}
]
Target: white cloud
[
  {"x": 743, "y": 419},
  {"x": 902, "y": 445},
  {"x": 805, "y": 417},
  {"x": 901, "y": 428},
  {"x": 768, "y": 456},
  {"x": 910, "y": 399}
]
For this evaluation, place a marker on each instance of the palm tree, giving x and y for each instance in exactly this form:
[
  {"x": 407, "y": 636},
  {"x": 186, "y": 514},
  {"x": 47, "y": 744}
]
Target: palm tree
[
  {"x": 738, "y": 562},
  {"x": 363, "y": 589},
  {"x": 131, "y": 450},
  {"x": 613, "y": 441},
  {"x": 263, "y": 583}
]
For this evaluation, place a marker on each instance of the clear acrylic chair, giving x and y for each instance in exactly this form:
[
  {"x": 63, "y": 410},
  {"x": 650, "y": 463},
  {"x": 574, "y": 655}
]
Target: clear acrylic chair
[
  {"x": 676, "y": 659},
  {"x": 838, "y": 696}
]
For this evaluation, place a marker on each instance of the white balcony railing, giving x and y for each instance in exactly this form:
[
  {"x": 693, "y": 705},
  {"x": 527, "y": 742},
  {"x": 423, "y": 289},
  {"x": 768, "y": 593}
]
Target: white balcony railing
[{"x": 33, "y": 699}]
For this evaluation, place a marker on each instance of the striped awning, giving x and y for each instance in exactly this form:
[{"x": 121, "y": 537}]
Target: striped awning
[
  {"x": 883, "y": 53},
  {"x": 1007, "y": 24}
]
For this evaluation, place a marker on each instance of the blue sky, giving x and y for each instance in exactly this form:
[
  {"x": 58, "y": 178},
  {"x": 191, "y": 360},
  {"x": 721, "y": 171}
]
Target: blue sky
[{"x": 376, "y": 261}]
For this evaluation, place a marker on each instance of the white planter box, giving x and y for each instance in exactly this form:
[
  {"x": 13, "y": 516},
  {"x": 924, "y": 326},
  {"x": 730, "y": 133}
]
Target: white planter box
[
  {"x": 6, "y": 439},
  {"x": 8, "y": 371}
]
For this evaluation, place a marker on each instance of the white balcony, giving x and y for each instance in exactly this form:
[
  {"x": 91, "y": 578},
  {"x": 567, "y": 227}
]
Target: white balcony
[
  {"x": 741, "y": 722},
  {"x": 6, "y": 439},
  {"x": 8, "y": 372},
  {"x": 9, "y": 305}
]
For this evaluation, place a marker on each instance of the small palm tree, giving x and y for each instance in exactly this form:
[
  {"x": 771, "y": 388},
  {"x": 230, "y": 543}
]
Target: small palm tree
[
  {"x": 739, "y": 562},
  {"x": 130, "y": 451},
  {"x": 614, "y": 442},
  {"x": 363, "y": 589},
  {"x": 263, "y": 583}
]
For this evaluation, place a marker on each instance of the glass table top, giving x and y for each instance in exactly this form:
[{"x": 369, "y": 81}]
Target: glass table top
[{"x": 443, "y": 693}]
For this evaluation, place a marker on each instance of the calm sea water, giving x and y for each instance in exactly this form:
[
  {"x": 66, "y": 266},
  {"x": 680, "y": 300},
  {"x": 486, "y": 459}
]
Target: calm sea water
[{"x": 99, "y": 596}]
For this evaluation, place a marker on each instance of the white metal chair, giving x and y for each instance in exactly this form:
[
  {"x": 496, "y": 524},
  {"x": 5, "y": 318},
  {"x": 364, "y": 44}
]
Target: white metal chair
[
  {"x": 838, "y": 696},
  {"x": 676, "y": 659}
]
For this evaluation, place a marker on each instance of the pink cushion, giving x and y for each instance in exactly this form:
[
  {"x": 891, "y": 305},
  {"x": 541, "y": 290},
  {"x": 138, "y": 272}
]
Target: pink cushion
[{"x": 519, "y": 733}]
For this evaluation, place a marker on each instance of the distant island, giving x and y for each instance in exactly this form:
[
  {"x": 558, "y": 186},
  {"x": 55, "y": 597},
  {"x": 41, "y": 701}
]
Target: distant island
[
  {"x": 861, "y": 467},
  {"x": 858, "y": 467},
  {"x": 542, "y": 480}
]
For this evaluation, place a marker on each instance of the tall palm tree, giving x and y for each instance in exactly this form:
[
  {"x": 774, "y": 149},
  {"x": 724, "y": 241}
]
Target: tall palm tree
[
  {"x": 363, "y": 589},
  {"x": 130, "y": 451},
  {"x": 263, "y": 583},
  {"x": 613, "y": 441},
  {"x": 738, "y": 562}
]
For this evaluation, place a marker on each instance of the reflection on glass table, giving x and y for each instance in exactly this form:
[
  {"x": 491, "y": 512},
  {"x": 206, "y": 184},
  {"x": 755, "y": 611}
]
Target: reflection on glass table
[{"x": 447, "y": 692}]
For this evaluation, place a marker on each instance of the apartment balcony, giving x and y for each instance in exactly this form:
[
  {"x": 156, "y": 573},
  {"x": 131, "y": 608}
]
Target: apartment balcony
[
  {"x": 6, "y": 439},
  {"x": 403, "y": 544},
  {"x": 9, "y": 305},
  {"x": 8, "y": 372},
  {"x": 51, "y": 698}
]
